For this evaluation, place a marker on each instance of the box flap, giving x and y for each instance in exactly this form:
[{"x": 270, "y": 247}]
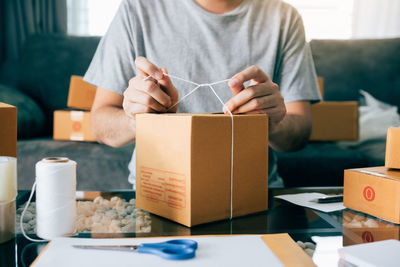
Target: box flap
[
  {"x": 4, "y": 105},
  {"x": 380, "y": 172},
  {"x": 287, "y": 250}
]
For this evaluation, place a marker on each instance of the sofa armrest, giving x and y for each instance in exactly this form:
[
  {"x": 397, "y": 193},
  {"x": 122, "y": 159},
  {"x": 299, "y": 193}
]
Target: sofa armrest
[{"x": 31, "y": 120}]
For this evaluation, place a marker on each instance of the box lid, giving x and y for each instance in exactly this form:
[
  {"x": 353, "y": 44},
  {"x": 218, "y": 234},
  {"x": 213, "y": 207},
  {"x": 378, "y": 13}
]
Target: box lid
[{"x": 380, "y": 172}]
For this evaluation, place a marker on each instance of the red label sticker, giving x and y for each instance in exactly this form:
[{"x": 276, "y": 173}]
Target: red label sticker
[
  {"x": 367, "y": 237},
  {"x": 76, "y": 126},
  {"x": 369, "y": 193}
]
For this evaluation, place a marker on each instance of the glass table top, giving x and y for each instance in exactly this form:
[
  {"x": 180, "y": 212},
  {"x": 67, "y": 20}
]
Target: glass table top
[{"x": 340, "y": 228}]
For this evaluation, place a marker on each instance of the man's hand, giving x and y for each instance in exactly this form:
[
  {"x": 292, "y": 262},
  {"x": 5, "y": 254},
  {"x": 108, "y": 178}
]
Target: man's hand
[
  {"x": 151, "y": 95},
  {"x": 262, "y": 96}
]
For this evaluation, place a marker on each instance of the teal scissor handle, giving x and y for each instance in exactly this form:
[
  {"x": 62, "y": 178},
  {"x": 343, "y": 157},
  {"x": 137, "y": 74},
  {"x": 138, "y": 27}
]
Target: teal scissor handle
[{"x": 177, "y": 249}]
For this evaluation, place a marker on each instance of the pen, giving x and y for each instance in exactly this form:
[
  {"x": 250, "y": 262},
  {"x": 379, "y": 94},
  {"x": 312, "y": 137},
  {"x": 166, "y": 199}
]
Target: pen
[{"x": 329, "y": 199}]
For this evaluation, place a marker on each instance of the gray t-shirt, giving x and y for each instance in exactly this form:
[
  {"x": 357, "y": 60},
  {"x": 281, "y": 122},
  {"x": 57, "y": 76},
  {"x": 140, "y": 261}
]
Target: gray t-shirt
[{"x": 203, "y": 47}]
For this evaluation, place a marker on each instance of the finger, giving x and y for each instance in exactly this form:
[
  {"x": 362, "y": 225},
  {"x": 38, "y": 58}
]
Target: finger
[
  {"x": 131, "y": 109},
  {"x": 257, "y": 103},
  {"x": 167, "y": 84},
  {"x": 251, "y": 73},
  {"x": 144, "y": 99},
  {"x": 146, "y": 68},
  {"x": 151, "y": 88},
  {"x": 247, "y": 94}
]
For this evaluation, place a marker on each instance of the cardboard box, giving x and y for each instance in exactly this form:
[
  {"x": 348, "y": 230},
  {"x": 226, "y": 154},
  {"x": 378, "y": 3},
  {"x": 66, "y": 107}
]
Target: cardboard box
[
  {"x": 81, "y": 94},
  {"x": 183, "y": 166},
  {"x": 334, "y": 121},
  {"x": 321, "y": 86},
  {"x": 392, "y": 159},
  {"x": 375, "y": 191},
  {"x": 8, "y": 130},
  {"x": 72, "y": 125},
  {"x": 359, "y": 229}
]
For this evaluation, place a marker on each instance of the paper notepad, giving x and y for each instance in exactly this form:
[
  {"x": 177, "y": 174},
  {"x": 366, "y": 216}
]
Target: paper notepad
[
  {"x": 383, "y": 253},
  {"x": 212, "y": 251},
  {"x": 304, "y": 199}
]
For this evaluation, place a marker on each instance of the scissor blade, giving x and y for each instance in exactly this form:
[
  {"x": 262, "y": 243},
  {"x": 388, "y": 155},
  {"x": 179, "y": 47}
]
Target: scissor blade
[{"x": 117, "y": 248}]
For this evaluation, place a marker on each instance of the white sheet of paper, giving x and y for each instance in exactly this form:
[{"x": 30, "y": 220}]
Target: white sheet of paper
[
  {"x": 382, "y": 253},
  {"x": 326, "y": 250},
  {"x": 303, "y": 199},
  {"x": 212, "y": 251}
]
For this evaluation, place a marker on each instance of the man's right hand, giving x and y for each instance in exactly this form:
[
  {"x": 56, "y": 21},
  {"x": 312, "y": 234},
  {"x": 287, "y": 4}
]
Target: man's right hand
[{"x": 151, "y": 95}]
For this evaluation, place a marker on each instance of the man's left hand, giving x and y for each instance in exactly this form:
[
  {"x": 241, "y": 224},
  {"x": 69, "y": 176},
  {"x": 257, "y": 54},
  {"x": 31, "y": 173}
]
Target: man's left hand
[{"x": 262, "y": 96}]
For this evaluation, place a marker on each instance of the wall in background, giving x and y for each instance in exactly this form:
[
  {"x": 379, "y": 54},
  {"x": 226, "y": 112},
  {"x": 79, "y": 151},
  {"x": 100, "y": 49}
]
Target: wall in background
[{"x": 323, "y": 19}]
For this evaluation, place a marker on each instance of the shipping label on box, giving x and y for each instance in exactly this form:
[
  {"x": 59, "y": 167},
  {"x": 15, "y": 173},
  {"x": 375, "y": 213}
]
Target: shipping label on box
[
  {"x": 392, "y": 159},
  {"x": 334, "y": 121},
  {"x": 375, "y": 191},
  {"x": 359, "y": 229},
  {"x": 81, "y": 94},
  {"x": 72, "y": 125},
  {"x": 183, "y": 166},
  {"x": 8, "y": 130}
]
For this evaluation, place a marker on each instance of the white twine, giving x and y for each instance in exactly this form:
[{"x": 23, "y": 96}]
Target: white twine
[
  {"x": 210, "y": 85},
  {"x": 55, "y": 186}
]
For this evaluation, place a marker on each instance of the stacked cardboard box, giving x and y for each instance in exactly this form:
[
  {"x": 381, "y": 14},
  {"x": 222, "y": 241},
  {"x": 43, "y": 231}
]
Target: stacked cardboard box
[
  {"x": 8, "y": 130},
  {"x": 334, "y": 121},
  {"x": 75, "y": 124},
  {"x": 183, "y": 166},
  {"x": 376, "y": 190}
]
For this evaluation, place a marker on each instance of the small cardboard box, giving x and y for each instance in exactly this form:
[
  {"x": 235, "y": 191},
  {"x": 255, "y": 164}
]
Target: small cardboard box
[
  {"x": 72, "y": 125},
  {"x": 334, "y": 121},
  {"x": 183, "y": 166},
  {"x": 321, "y": 86},
  {"x": 8, "y": 130},
  {"x": 392, "y": 159},
  {"x": 375, "y": 191},
  {"x": 359, "y": 229},
  {"x": 81, "y": 94}
]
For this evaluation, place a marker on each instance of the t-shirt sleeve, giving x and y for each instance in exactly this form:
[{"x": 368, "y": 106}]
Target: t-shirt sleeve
[
  {"x": 113, "y": 63},
  {"x": 296, "y": 74}
]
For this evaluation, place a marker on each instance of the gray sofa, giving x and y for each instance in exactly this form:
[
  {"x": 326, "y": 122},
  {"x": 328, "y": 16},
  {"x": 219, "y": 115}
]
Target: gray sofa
[{"x": 38, "y": 85}]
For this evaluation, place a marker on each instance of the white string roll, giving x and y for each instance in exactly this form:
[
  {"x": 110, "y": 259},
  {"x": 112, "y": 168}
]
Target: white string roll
[{"x": 55, "y": 198}]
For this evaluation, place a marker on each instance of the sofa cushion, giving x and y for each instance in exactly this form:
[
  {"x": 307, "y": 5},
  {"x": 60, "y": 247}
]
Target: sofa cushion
[
  {"x": 99, "y": 167},
  {"x": 350, "y": 65},
  {"x": 46, "y": 65},
  {"x": 30, "y": 117},
  {"x": 318, "y": 164}
]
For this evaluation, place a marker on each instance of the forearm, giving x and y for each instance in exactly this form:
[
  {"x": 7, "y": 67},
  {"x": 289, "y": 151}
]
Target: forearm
[
  {"x": 111, "y": 126},
  {"x": 291, "y": 134}
]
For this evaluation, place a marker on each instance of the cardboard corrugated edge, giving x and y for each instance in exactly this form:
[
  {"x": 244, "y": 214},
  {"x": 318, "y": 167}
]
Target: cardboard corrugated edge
[{"x": 282, "y": 245}]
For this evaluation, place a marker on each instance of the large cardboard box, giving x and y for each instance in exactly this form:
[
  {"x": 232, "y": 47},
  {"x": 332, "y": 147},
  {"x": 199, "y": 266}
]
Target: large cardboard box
[
  {"x": 183, "y": 166},
  {"x": 359, "y": 229},
  {"x": 72, "y": 125},
  {"x": 375, "y": 191},
  {"x": 392, "y": 159},
  {"x": 334, "y": 121},
  {"x": 8, "y": 130},
  {"x": 81, "y": 94}
]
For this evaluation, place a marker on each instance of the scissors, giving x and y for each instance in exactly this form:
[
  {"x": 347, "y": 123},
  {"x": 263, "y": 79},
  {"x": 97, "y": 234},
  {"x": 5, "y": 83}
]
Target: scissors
[{"x": 176, "y": 249}]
